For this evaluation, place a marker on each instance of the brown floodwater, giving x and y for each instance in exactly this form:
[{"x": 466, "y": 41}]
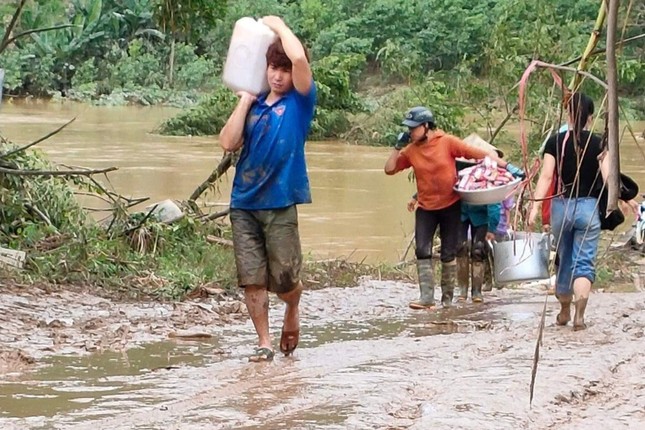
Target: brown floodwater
[{"x": 357, "y": 210}]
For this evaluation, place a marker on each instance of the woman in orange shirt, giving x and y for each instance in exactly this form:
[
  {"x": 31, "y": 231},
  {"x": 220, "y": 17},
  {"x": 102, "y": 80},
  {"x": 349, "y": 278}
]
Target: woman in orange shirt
[{"x": 431, "y": 153}]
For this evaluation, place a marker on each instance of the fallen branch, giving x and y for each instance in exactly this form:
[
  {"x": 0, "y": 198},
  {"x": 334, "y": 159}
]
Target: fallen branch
[
  {"x": 95, "y": 195},
  {"x": 218, "y": 240},
  {"x": 221, "y": 168},
  {"x": 113, "y": 197},
  {"x": 88, "y": 172},
  {"x": 216, "y": 215},
  {"x": 12, "y": 257},
  {"x": 145, "y": 218},
  {"x": 189, "y": 335},
  {"x": 40, "y": 214},
  {"x": 36, "y": 142}
]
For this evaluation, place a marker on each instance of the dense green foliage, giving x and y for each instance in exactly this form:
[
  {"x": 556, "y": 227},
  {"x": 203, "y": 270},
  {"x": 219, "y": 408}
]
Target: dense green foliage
[
  {"x": 456, "y": 56},
  {"x": 113, "y": 47}
]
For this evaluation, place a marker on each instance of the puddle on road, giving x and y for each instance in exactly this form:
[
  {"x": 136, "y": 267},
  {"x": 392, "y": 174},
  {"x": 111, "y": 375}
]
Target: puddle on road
[{"x": 65, "y": 384}]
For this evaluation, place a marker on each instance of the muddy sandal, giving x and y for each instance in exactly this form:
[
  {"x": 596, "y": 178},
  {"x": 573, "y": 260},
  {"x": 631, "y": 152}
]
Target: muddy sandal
[
  {"x": 289, "y": 341},
  {"x": 261, "y": 355}
]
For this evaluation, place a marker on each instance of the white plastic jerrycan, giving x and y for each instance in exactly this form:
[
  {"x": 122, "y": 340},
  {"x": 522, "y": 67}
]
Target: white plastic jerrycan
[{"x": 246, "y": 65}]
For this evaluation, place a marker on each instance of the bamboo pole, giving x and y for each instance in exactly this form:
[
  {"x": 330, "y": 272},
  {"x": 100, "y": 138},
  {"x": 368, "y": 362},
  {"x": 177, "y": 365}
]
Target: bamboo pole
[
  {"x": 591, "y": 45},
  {"x": 613, "y": 181}
]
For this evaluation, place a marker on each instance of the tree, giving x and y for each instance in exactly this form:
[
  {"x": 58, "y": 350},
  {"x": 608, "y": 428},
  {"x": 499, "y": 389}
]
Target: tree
[{"x": 184, "y": 19}]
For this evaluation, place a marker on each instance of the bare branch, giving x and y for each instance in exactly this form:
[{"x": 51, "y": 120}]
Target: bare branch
[
  {"x": 216, "y": 215},
  {"x": 600, "y": 51},
  {"x": 36, "y": 142},
  {"x": 574, "y": 70},
  {"x": 38, "y": 30},
  {"x": 56, "y": 172},
  {"x": 40, "y": 214},
  {"x": 219, "y": 240},
  {"x": 214, "y": 176},
  {"x": 145, "y": 218},
  {"x": 503, "y": 123},
  {"x": 95, "y": 195},
  {"x": 11, "y": 26}
]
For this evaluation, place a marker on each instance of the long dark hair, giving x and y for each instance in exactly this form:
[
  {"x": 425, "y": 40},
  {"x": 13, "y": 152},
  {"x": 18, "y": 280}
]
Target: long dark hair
[{"x": 580, "y": 107}]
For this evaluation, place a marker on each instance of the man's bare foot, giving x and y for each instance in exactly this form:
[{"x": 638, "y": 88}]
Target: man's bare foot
[
  {"x": 564, "y": 316},
  {"x": 290, "y": 330},
  {"x": 291, "y": 324}
]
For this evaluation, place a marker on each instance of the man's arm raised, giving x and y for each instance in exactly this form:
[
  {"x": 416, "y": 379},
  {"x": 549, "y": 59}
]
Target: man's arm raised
[{"x": 301, "y": 71}]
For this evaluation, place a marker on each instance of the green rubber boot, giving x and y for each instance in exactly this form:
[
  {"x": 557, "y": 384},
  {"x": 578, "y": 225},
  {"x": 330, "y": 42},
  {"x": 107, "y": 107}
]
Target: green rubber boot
[
  {"x": 426, "y": 286},
  {"x": 463, "y": 277},
  {"x": 477, "y": 281},
  {"x": 448, "y": 282},
  {"x": 489, "y": 281}
]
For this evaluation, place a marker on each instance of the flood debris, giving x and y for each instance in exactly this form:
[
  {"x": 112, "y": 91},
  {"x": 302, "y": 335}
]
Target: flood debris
[
  {"x": 14, "y": 360},
  {"x": 189, "y": 335},
  {"x": 12, "y": 257}
]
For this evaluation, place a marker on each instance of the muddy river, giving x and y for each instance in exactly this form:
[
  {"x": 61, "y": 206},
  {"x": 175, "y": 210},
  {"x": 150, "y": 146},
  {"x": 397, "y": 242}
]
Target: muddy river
[{"x": 71, "y": 360}]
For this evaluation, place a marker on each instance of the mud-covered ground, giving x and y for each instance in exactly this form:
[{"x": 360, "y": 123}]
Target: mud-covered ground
[
  {"x": 42, "y": 321},
  {"x": 75, "y": 360}
]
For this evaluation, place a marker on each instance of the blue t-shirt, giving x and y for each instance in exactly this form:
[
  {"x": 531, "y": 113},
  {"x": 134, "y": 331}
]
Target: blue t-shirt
[{"x": 271, "y": 172}]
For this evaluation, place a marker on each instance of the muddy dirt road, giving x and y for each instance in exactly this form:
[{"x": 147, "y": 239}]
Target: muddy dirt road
[{"x": 365, "y": 361}]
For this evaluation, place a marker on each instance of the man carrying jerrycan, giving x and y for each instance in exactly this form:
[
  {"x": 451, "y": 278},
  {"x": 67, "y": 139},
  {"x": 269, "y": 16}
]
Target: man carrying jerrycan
[
  {"x": 270, "y": 180},
  {"x": 431, "y": 153}
]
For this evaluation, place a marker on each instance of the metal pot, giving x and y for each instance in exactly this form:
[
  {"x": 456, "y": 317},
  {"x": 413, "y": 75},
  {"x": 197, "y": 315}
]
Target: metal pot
[{"x": 523, "y": 258}]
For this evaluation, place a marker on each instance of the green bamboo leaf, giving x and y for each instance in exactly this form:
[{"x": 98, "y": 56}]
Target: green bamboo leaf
[{"x": 94, "y": 11}]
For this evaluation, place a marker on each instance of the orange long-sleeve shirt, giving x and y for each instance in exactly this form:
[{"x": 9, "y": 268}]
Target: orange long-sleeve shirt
[{"x": 435, "y": 169}]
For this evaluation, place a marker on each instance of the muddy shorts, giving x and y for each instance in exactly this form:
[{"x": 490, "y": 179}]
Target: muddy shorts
[{"x": 267, "y": 248}]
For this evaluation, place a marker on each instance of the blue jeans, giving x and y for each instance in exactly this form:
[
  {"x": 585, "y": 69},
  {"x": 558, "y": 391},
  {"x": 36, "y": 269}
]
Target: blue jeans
[{"x": 576, "y": 229}]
